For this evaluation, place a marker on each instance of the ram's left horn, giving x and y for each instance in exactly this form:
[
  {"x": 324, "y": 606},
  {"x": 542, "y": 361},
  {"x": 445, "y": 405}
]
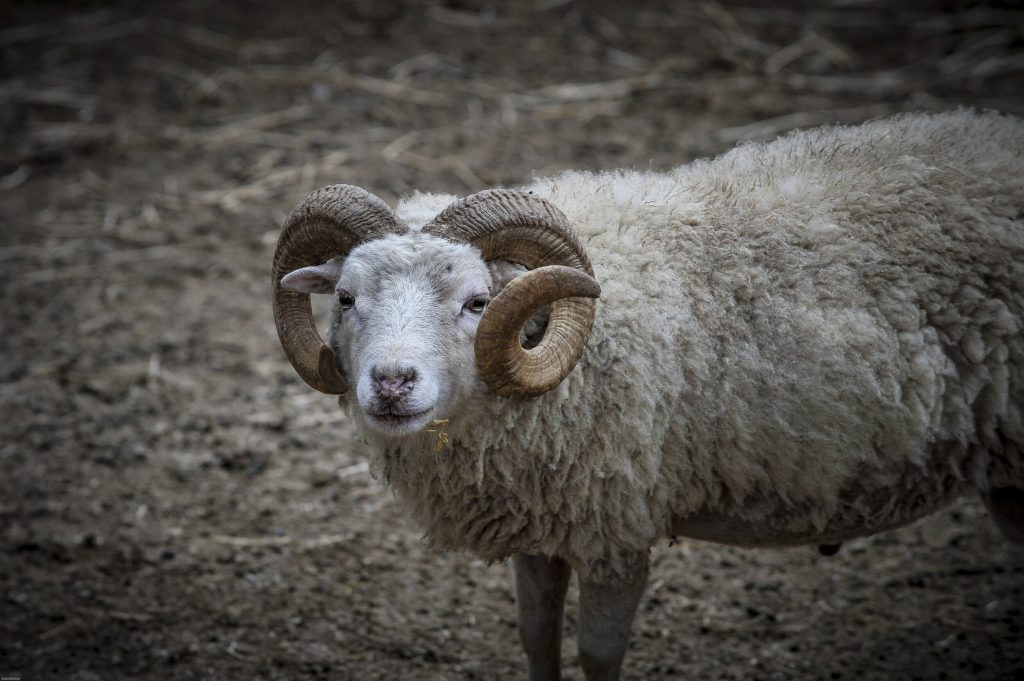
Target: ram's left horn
[{"x": 532, "y": 232}]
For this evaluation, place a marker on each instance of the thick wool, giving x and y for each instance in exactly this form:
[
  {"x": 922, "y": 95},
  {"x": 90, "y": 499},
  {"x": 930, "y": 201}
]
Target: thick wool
[{"x": 820, "y": 336}]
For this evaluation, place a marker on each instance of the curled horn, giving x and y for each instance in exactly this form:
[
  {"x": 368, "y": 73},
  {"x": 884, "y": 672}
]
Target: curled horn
[
  {"x": 530, "y": 231},
  {"x": 328, "y": 223}
]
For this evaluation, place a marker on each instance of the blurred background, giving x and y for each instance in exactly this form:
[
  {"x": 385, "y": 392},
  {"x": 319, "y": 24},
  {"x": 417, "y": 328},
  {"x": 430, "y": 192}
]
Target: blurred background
[{"x": 176, "y": 504}]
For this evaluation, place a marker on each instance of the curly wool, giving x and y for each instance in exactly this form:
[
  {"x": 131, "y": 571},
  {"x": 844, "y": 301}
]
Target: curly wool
[{"x": 820, "y": 336}]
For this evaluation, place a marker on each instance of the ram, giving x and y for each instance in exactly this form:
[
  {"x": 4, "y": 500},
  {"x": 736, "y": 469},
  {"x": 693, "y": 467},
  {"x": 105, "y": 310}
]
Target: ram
[{"x": 798, "y": 342}]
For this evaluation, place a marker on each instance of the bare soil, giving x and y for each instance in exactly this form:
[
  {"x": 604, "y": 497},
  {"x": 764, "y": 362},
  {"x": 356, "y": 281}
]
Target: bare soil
[{"x": 176, "y": 504}]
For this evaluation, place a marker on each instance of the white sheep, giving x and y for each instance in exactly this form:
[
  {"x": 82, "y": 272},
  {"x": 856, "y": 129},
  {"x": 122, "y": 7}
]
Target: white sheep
[{"x": 797, "y": 342}]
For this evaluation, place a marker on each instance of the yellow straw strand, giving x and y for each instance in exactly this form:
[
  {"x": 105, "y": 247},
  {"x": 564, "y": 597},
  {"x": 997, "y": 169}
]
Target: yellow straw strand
[{"x": 437, "y": 426}]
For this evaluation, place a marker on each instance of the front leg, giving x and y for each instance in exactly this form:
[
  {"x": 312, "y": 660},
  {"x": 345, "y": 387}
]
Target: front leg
[
  {"x": 606, "y": 616},
  {"x": 541, "y": 583}
]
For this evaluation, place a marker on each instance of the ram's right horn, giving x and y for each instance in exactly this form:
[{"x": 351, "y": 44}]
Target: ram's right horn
[{"x": 327, "y": 224}]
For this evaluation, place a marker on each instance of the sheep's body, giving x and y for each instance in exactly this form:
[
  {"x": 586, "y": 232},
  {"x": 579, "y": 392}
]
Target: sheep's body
[{"x": 801, "y": 341}]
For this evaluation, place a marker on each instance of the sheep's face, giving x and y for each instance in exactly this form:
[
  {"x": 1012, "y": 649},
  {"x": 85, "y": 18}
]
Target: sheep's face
[{"x": 403, "y": 323}]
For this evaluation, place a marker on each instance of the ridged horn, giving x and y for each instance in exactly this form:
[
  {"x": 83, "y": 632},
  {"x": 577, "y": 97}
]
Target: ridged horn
[
  {"x": 531, "y": 231},
  {"x": 327, "y": 224}
]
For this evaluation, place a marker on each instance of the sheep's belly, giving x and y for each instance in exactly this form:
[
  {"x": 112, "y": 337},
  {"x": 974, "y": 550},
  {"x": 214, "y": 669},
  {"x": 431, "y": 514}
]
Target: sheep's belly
[{"x": 724, "y": 529}]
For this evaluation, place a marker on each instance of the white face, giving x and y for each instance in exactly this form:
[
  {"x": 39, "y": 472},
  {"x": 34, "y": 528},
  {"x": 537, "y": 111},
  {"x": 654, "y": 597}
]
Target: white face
[{"x": 403, "y": 325}]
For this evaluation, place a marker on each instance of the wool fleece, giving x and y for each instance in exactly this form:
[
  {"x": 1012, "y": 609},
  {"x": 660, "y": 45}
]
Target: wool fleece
[{"x": 818, "y": 337}]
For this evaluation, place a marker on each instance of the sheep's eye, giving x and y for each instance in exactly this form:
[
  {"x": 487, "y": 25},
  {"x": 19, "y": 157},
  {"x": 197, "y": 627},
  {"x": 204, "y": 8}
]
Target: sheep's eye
[
  {"x": 346, "y": 300},
  {"x": 475, "y": 305}
]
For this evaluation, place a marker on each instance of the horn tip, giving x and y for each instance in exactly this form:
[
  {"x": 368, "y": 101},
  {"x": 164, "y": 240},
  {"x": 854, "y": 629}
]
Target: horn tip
[{"x": 332, "y": 381}]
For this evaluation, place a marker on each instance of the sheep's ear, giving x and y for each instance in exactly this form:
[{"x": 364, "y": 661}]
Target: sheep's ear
[
  {"x": 502, "y": 272},
  {"x": 317, "y": 279}
]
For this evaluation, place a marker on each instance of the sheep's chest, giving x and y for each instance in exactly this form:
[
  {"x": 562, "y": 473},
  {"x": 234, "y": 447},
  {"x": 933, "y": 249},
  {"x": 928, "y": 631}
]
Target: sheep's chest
[{"x": 461, "y": 502}]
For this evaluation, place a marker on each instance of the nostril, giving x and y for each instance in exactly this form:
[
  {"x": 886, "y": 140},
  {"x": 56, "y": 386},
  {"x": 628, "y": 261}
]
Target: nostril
[{"x": 393, "y": 382}]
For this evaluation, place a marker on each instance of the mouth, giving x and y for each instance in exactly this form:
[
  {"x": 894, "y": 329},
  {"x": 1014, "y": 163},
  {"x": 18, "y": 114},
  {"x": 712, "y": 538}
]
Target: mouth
[{"x": 396, "y": 422}]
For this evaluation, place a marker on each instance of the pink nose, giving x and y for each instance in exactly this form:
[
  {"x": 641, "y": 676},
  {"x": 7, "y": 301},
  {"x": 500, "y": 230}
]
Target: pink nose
[{"x": 393, "y": 383}]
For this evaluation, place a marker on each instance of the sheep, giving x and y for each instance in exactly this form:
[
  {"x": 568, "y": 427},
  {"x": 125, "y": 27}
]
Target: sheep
[{"x": 798, "y": 342}]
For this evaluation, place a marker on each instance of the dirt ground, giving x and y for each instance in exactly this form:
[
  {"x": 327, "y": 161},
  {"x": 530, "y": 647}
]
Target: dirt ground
[{"x": 176, "y": 504}]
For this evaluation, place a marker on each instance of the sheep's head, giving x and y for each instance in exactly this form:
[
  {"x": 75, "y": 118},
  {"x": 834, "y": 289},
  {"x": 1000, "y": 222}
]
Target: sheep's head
[{"x": 413, "y": 323}]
